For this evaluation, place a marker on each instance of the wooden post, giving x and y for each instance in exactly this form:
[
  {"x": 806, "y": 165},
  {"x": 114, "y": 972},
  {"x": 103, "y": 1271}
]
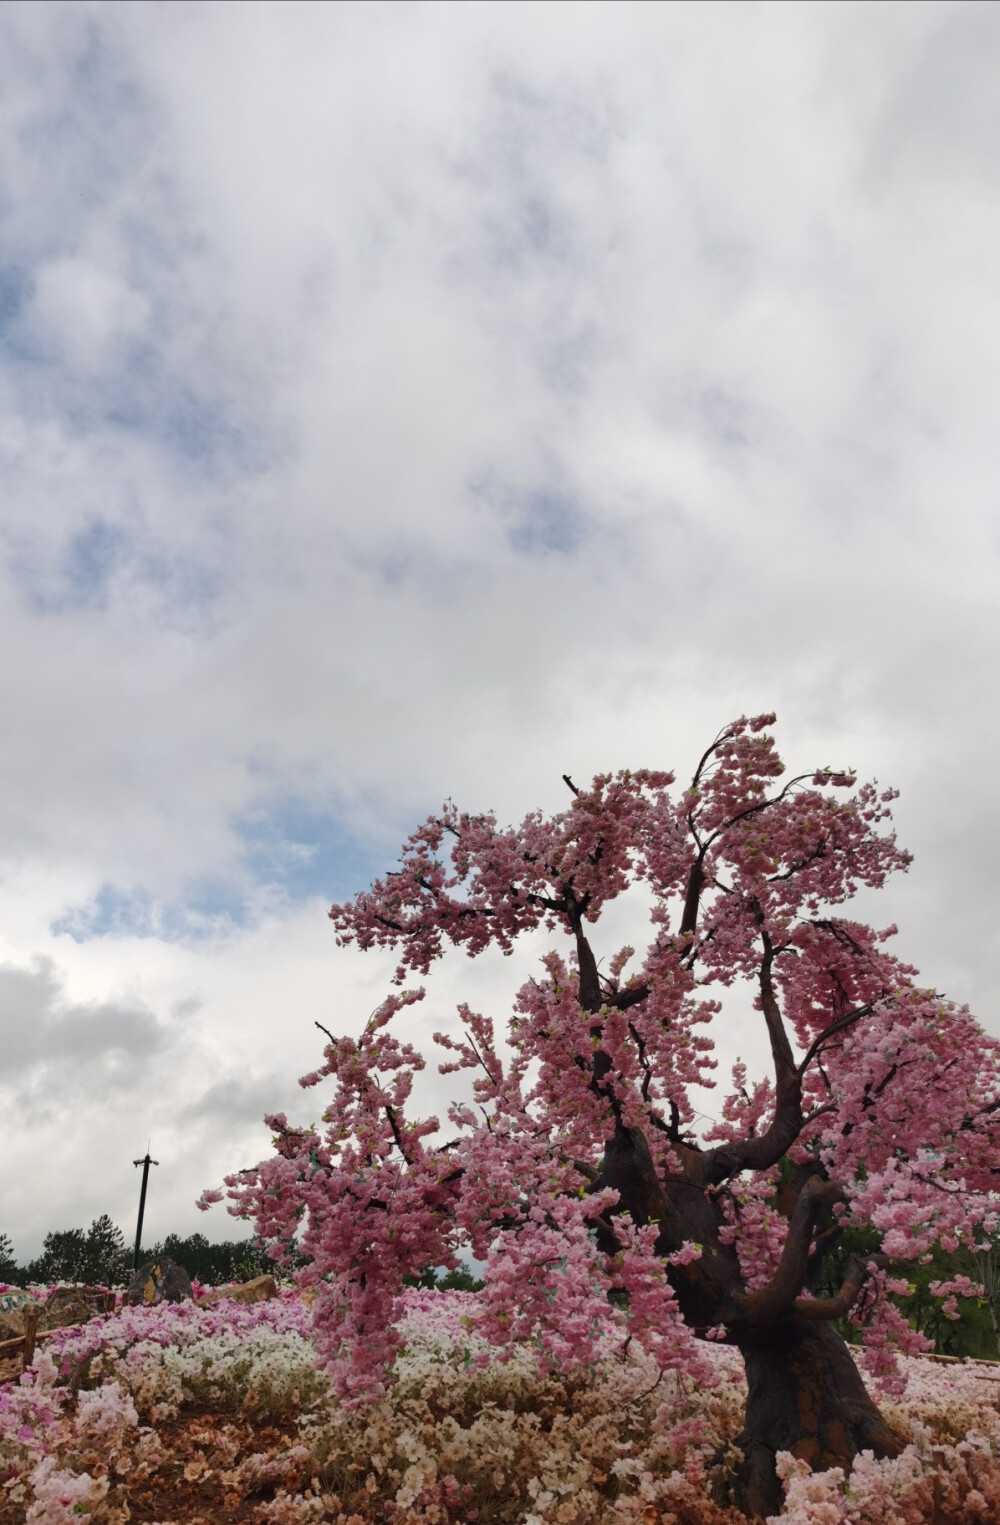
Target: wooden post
[
  {"x": 30, "y": 1331},
  {"x": 145, "y": 1162}
]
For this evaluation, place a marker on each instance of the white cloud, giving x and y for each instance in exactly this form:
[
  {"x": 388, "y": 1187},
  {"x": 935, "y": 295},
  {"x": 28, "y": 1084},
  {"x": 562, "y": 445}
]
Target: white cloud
[{"x": 82, "y": 311}]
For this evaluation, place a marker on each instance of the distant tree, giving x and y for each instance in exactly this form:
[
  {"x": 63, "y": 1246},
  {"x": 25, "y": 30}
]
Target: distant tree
[
  {"x": 108, "y": 1261},
  {"x": 426, "y": 1279},
  {"x": 984, "y": 1266},
  {"x": 193, "y": 1253},
  {"x": 460, "y": 1280},
  {"x": 63, "y": 1257},
  {"x": 215, "y": 1264},
  {"x": 956, "y": 1328},
  {"x": 9, "y": 1269},
  {"x": 960, "y": 1325},
  {"x": 250, "y": 1259},
  {"x": 96, "y": 1258}
]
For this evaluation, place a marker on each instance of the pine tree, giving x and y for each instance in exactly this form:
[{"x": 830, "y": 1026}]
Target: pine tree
[{"x": 9, "y": 1270}]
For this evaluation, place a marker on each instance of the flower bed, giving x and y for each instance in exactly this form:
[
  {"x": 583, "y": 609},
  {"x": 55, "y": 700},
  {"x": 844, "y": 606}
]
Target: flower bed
[{"x": 183, "y": 1413}]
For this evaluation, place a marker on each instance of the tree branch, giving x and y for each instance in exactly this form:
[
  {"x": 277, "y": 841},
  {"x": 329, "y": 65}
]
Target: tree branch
[
  {"x": 621, "y": 1000},
  {"x": 394, "y": 926},
  {"x": 765, "y": 804},
  {"x": 591, "y": 998},
  {"x": 845, "y": 1020},
  {"x": 647, "y": 1078},
  {"x": 696, "y": 879},
  {"x": 390, "y": 1114},
  {"x": 841, "y": 1303},
  {"x": 695, "y": 885},
  {"x": 545, "y": 900},
  {"x": 767, "y": 1304},
  {"x": 781, "y": 1050},
  {"x": 786, "y": 1125}
]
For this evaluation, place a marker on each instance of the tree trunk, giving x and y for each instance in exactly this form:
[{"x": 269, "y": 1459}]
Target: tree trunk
[{"x": 805, "y": 1395}]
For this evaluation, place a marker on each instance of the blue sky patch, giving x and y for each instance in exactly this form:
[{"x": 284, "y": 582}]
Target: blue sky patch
[
  {"x": 548, "y": 521},
  {"x": 195, "y": 429},
  {"x": 291, "y": 852},
  {"x": 114, "y": 912},
  {"x": 82, "y": 572},
  {"x": 307, "y": 849},
  {"x": 15, "y": 288},
  {"x": 90, "y": 563},
  {"x": 538, "y": 521}
]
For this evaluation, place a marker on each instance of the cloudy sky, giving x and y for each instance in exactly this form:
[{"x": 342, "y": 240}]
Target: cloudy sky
[{"x": 401, "y": 401}]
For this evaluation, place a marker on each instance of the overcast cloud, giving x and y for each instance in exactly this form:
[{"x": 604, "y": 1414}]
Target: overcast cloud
[{"x": 401, "y": 401}]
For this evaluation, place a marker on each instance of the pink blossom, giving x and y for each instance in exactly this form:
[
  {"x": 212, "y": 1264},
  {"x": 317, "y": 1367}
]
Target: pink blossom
[{"x": 881, "y": 1092}]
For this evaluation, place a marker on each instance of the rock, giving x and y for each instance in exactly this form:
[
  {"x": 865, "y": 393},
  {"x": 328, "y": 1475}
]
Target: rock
[
  {"x": 66, "y": 1305},
  {"x": 15, "y": 1301},
  {"x": 260, "y": 1290},
  {"x": 159, "y": 1281},
  {"x": 11, "y": 1325}
]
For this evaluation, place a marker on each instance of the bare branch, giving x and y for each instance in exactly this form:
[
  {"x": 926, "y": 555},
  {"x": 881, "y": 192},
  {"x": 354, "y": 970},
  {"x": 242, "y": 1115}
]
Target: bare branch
[
  {"x": 621, "y": 1000},
  {"x": 830, "y": 1106},
  {"x": 765, "y": 804},
  {"x": 840, "y": 1024},
  {"x": 968, "y": 1123},
  {"x": 696, "y": 879},
  {"x": 819, "y": 851},
  {"x": 390, "y": 1114},
  {"x": 841, "y": 1303},
  {"x": 394, "y": 926}
]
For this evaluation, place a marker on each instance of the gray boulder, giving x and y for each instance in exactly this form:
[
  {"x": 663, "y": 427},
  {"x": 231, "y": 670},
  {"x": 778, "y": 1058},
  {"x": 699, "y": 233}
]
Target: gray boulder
[{"x": 159, "y": 1281}]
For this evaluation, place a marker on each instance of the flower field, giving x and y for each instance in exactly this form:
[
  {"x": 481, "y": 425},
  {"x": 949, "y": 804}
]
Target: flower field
[{"x": 184, "y": 1414}]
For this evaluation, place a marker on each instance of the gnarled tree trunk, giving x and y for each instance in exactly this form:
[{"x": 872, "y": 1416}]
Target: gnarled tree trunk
[{"x": 805, "y": 1395}]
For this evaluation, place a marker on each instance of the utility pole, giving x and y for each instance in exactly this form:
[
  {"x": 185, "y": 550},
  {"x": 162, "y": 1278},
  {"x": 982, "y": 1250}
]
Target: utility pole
[{"x": 145, "y": 1162}]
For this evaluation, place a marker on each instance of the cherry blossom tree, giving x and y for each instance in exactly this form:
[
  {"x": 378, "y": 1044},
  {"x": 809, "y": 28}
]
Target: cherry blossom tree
[{"x": 576, "y": 1173}]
